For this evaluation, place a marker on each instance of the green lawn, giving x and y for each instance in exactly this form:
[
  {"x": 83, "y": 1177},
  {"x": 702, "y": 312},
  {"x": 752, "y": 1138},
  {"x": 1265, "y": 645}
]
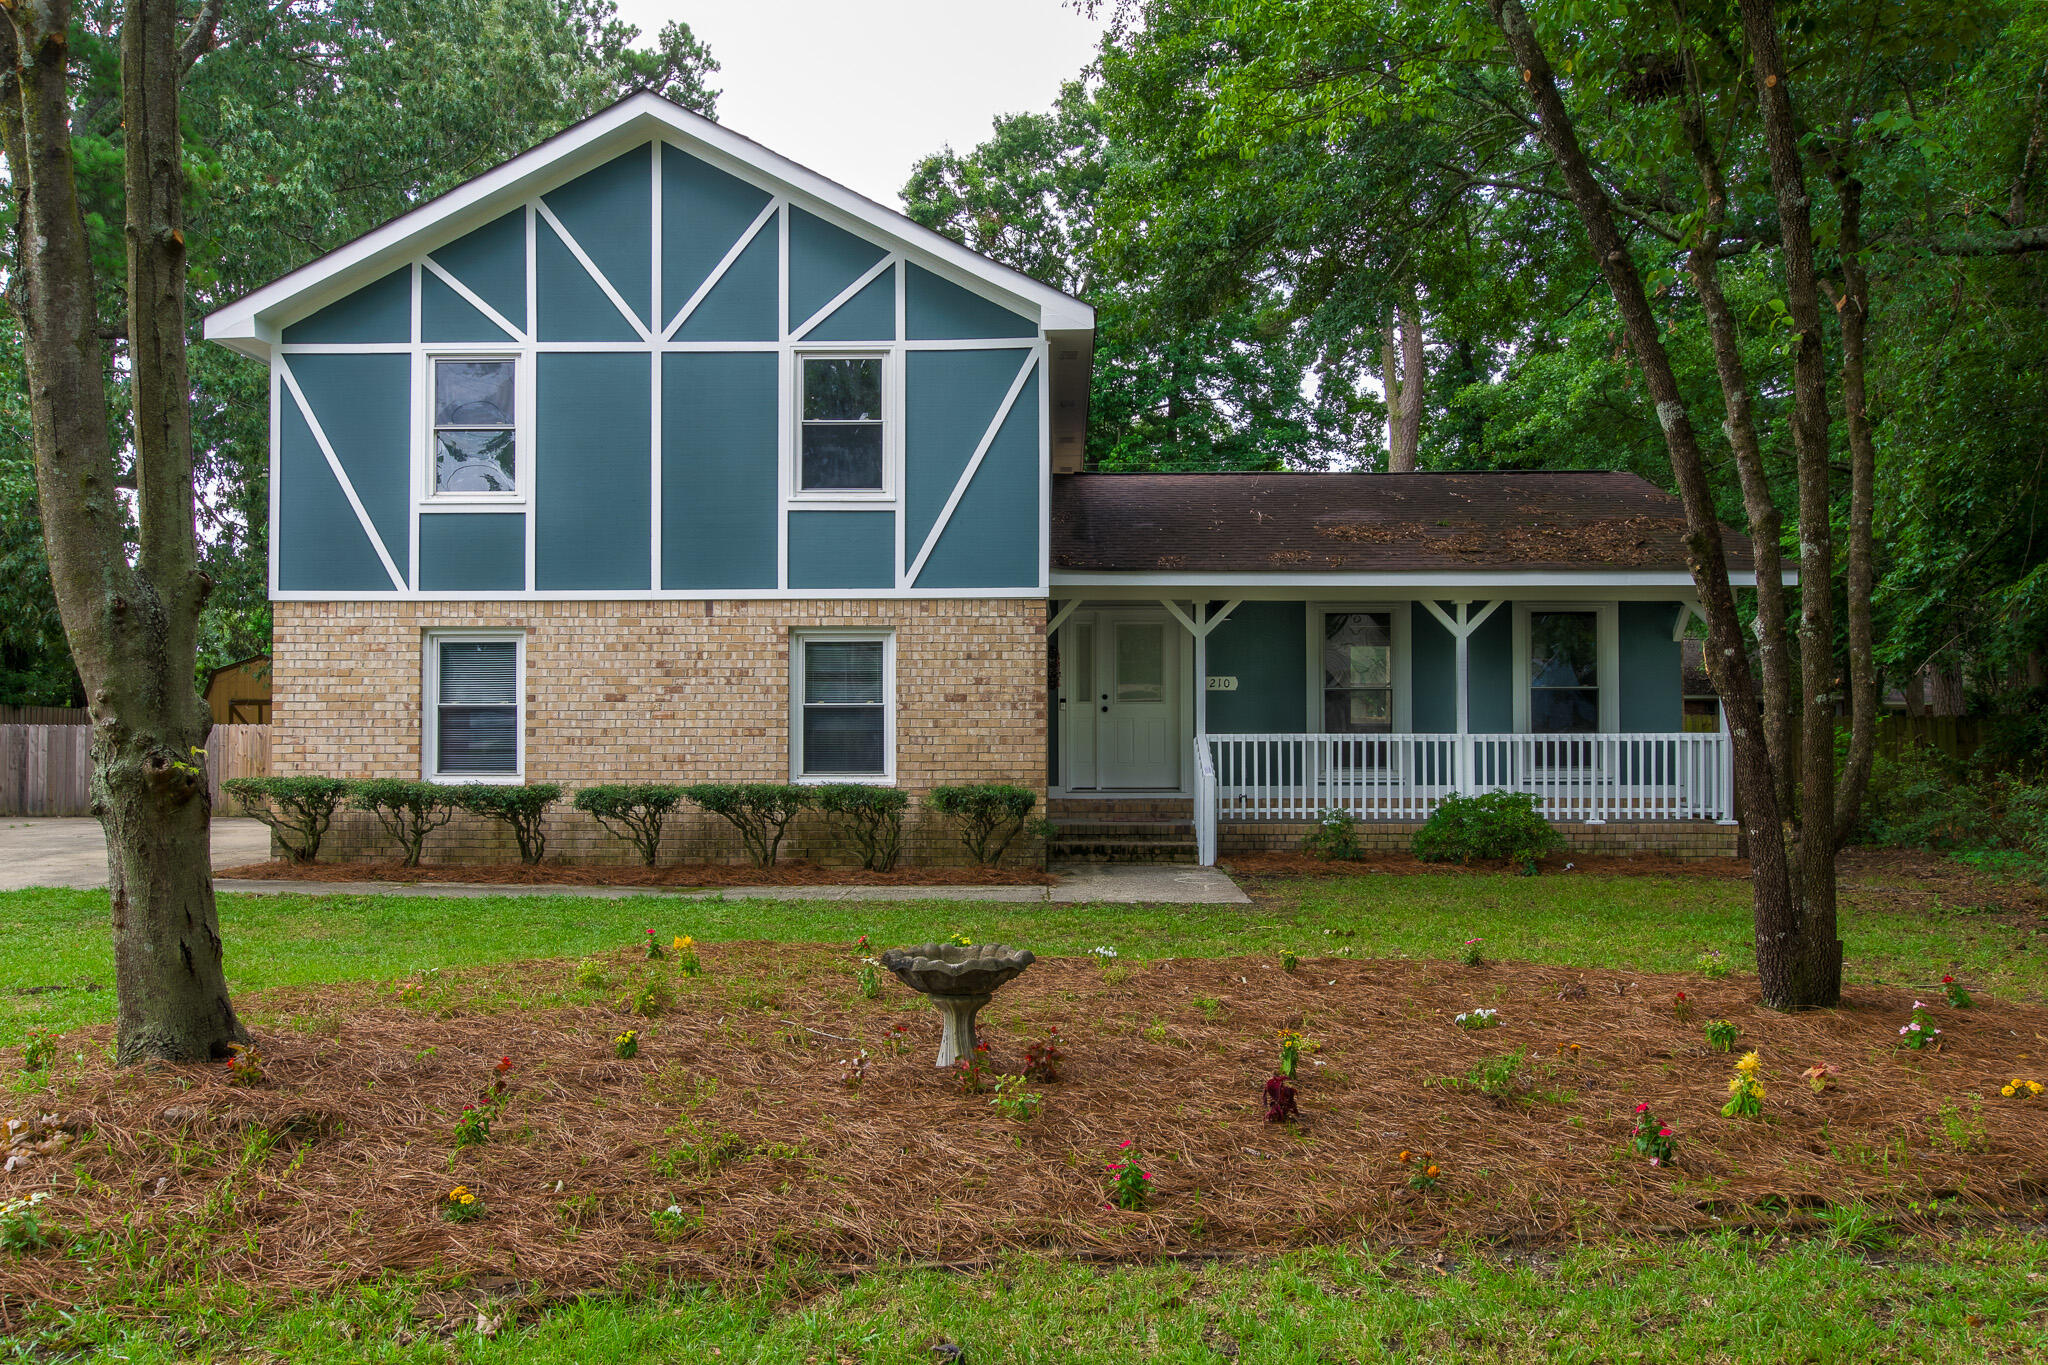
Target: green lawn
[
  {"x": 59, "y": 938},
  {"x": 1971, "y": 1297}
]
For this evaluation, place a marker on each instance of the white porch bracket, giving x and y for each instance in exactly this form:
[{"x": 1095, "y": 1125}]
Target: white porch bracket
[
  {"x": 1059, "y": 618},
  {"x": 1462, "y": 629},
  {"x": 1686, "y": 611}
]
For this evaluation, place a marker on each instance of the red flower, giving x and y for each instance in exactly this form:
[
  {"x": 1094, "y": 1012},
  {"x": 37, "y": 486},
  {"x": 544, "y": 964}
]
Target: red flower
[
  {"x": 1125, "y": 1143},
  {"x": 1663, "y": 1132},
  {"x": 504, "y": 1065},
  {"x": 1681, "y": 995},
  {"x": 1948, "y": 981},
  {"x": 1642, "y": 1109}
]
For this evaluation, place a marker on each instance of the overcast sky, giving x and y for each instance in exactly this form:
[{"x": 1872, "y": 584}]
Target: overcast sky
[{"x": 858, "y": 92}]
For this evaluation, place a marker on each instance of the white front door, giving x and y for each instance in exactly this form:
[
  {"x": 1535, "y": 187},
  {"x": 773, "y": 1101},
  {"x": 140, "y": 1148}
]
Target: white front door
[{"x": 1138, "y": 703}]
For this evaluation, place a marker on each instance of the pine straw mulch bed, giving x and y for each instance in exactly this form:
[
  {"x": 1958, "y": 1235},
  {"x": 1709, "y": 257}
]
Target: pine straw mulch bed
[
  {"x": 735, "y": 1113},
  {"x": 682, "y": 875}
]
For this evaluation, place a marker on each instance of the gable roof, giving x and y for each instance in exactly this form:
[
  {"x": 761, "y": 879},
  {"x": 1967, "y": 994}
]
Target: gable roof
[
  {"x": 1370, "y": 523},
  {"x": 252, "y": 323}
]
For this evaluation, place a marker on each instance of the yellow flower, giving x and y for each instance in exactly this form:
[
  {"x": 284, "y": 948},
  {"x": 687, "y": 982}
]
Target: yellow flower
[
  {"x": 684, "y": 941},
  {"x": 458, "y": 1192},
  {"x": 1431, "y": 1173},
  {"x": 1405, "y": 1156},
  {"x": 2033, "y": 1087},
  {"x": 2006, "y": 1091},
  {"x": 469, "y": 1199},
  {"x": 1749, "y": 1064},
  {"x": 1734, "y": 1084}
]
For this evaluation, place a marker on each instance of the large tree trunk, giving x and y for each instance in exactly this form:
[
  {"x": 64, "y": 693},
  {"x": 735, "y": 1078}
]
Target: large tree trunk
[
  {"x": 1402, "y": 362},
  {"x": 1779, "y": 917},
  {"x": 1862, "y": 572},
  {"x": 1808, "y": 955},
  {"x": 131, "y": 625}
]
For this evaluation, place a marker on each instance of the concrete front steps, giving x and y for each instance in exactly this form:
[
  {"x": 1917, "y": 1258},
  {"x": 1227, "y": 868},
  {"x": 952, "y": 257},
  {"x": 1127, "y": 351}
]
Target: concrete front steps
[{"x": 1137, "y": 830}]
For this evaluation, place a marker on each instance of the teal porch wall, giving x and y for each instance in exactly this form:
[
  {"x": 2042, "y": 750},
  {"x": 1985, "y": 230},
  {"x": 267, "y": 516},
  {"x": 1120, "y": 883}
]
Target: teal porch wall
[
  {"x": 1432, "y": 673},
  {"x": 1264, "y": 645},
  {"x": 1652, "y": 699},
  {"x": 1489, "y": 680}
]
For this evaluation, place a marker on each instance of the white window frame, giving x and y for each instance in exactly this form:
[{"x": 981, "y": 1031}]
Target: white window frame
[
  {"x": 1607, "y": 660},
  {"x": 522, "y": 431},
  {"x": 892, "y": 428},
  {"x": 798, "y": 640},
  {"x": 1403, "y": 663},
  {"x": 430, "y": 708}
]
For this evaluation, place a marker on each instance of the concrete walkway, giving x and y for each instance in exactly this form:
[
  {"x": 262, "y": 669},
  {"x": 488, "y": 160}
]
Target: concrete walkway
[
  {"x": 72, "y": 851},
  {"x": 1080, "y": 883}
]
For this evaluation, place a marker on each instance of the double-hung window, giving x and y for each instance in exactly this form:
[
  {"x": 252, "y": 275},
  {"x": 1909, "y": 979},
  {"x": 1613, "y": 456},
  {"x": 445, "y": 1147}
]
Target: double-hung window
[
  {"x": 475, "y": 687},
  {"x": 1358, "y": 672},
  {"x": 843, "y": 722},
  {"x": 841, "y": 444},
  {"x": 475, "y": 403},
  {"x": 1564, "y": 672}
]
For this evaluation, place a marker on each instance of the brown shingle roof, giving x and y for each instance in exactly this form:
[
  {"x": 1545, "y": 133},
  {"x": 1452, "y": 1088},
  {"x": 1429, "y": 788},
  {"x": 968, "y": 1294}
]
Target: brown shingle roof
[{"x": 1367, "y": 523}]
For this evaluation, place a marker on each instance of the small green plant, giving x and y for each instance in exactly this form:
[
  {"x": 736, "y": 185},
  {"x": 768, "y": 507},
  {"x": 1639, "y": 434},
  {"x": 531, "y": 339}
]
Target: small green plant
[
  {"x": 1289, "y": 959},
  {"x": 672, "y": 1222},
  {"x": 868, "y": 817},
  {"x": 1501, "y": 1079},
  {"x": 1745, "y": 1090},
  {"x": 1502, "y": 826},
  {"x": 897, "y": 1040},
  {"x": 685, "y": 949},
  {"x": 1958, "y": 1131},
  {"x": 522, "y": 809},
  {"x": 244, "y": 1065},
  {"x": 1952, "y": 991},
  {"x": 627, "y": 1045},
  {"x": 1334, "y": 839},
  {"x": 867, "y": 980},
  {"x": 1130, "y": 1186},
  {"x": 1013, "y": 1101},
  {"x": 633, "y": 812},
  {"x": 39, "y": 1049},
  {"x": 1721, "y": 1035},
  {"x": 460, "y": 1205},
  {"x": 853, "y": 1070},
  {"x": 971, "y": 1071},
  {"x": 1042, "y": 1059},
  {"x": 1477, "y": 1019},
  {"x": 987, "y": 815},
  {"x": 297, "y": 809},
  {"x": 1155, "y": 1032},
  {"x": 1855, "y": 1225},
  {"x": 1469, "y": 952},
  {"x": 1652, "y": 1138},
  {"x": 473, "y": 1125},
  {"x": 958, "y": 940},
  {"x": 592, "y": 975},
  {"x": 655, "y": 953},
  {"x": 1919, "y": 1032},
  {"x": 1711, "y": 963},
  {"x": 1424, "y": 1175},
  {"x": 1681, "y": 1007},
  {"x": 1291, "y": 1043},
  {"x": 651, "y": 998},
  {"x": 21, "y": 1225},
  {"x": 408, "y": 809}
]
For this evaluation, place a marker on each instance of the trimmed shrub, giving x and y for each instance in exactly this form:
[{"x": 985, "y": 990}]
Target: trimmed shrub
[
  {"x": 634, "y": 812},
  {"x": 409, "y": 810},
  {"x": 297, "y": 809},
  {"x": 523, "y": 808},
  {"x": 1334, "y": 839},
  {"x": 760, "y": 811},
  {"x": 988, "y": 815},
  {"x": 870, "y": 818},
  {"x": 1503, "y": 825}
]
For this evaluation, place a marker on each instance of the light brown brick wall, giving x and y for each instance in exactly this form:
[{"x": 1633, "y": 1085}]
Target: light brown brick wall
[{"x": 661, "y": 691}]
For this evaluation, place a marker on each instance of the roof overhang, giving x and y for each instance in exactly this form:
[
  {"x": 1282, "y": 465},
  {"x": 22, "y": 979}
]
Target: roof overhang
[
  {"x": 1477, "y": 584},
  {"x": 252, "y": 324}
]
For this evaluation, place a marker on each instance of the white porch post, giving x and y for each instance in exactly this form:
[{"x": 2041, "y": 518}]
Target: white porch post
[
  {"x": 1201, "y": 673},
  {"x": 1463, "y": 632}
]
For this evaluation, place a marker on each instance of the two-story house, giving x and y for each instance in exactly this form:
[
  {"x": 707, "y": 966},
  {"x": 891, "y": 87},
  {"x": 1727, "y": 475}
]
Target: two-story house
[{"x": 651, "y": 455}]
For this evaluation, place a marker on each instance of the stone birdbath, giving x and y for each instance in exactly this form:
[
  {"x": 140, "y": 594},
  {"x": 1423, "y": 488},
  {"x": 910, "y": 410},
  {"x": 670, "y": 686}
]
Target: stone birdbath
[{"x": 959, "y": 980}]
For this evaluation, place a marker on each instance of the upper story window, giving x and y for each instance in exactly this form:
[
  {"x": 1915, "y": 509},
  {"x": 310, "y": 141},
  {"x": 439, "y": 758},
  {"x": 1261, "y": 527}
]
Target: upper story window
[
  {"x": 842, "y": 441},
  {"x": 476, "y": 442}
]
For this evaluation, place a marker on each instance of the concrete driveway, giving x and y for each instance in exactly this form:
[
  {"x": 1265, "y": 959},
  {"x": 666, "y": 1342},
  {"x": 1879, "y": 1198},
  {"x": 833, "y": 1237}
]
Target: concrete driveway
[{"x": 73, "y": 851}]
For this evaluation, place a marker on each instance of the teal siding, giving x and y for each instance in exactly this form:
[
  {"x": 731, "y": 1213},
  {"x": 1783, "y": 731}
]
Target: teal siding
[
  {"x": 703, "y": 212},
  {"x": 364, "y": 405},
  {"x": 1489, "y": 682},
  {"x": 321, "y": 546},
  {"x": 472, "y": 552},
  {"x": 572, "y": 307},
  {"x": 741, "y": 306},
  {"x": 1652, "y": 699},
  {"x": 950, "y": 397},
  {"x": 377, "y": 312},
  {"x": 992, "y": 539},
  {"x": 869, "y": 315},
  {"x": 718, "y": 470},
  {"x": 1432, "y": 673},
  {"x": 491, "y": 263},
  {"x": 939, "y": 310},
  {"x": 822, "y": 261},
  {"x": 842, "y": 550},
  {"x": 1264, "y": 645},
  {"x": 593, "y": 490},
  {"x": 447, "y": 316},
  {"x": 610, "y": 213}
]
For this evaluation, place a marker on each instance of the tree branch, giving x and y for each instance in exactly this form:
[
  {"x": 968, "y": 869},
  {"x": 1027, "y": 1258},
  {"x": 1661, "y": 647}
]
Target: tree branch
[{"x": 201, "y": 39}]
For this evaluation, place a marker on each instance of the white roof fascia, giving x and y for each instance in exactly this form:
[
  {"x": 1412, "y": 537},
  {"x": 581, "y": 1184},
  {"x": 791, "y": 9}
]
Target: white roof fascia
[
  {"x": 1422, "y": 579},
  {"x": 252, "y": 324}
]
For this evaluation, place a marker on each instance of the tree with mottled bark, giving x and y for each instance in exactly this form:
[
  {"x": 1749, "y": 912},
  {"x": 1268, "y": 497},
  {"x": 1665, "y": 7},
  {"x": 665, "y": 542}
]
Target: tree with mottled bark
[{"x": 130, "y": 612}]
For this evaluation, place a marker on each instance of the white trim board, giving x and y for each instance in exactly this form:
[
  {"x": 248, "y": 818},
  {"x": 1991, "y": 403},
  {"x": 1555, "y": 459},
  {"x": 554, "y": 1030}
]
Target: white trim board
[{"x": 253, "y": 324}]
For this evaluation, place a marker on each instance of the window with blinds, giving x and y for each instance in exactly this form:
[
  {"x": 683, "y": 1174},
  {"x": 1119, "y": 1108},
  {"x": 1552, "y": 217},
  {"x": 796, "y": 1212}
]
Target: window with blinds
[
  {"x": 476, "y": 708},
  {"x": 843, "y": 703}
]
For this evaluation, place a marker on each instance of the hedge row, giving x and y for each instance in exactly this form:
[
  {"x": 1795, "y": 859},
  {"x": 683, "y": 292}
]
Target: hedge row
[{"x": 988, "y": 816}]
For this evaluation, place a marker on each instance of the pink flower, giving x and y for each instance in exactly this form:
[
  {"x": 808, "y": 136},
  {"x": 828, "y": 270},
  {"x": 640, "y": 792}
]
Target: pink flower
[
  {"x": 1125, "y": 1143},
  {"x": 1642, "y": 1109},
  {"x": 1656, "y": 1161},
  {"x": 1663, "y": 1132},
  {"x": 1144, "y": 1175}
]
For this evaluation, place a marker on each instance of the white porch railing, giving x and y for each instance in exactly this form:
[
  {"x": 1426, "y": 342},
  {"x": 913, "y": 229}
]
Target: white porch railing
[{"x": 1574, "y": 778}]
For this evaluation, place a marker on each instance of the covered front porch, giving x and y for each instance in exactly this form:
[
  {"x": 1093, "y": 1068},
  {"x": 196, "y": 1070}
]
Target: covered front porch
[{"x": 1262, "y": 707}]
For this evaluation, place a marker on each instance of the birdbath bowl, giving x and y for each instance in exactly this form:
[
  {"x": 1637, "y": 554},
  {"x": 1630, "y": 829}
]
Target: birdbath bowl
[{"x": 959, "y": 981}]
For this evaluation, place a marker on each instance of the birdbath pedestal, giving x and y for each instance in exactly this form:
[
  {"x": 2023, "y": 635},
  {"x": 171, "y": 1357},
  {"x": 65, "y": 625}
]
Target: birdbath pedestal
[{"x": 959, "y": 979}]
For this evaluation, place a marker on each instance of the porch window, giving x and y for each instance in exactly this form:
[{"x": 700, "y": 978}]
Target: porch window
[
  {"x": 1564, "y": 672},
  {"x": 1358, "y": 672},
  {"x": 472, "y": 725},
  {"x": 844, "y": 723}
]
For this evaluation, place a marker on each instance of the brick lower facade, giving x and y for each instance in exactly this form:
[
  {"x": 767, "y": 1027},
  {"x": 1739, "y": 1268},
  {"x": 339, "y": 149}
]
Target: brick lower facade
[{"x": 661, "y": 691}]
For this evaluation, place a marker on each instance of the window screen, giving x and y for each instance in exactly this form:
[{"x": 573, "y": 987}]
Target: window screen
[
  {"x": 845, "y": 708},
  {"x": 842, "y": 421},
  {"x": 475, "y": 445},
  {"x": 477, "y": 718}
]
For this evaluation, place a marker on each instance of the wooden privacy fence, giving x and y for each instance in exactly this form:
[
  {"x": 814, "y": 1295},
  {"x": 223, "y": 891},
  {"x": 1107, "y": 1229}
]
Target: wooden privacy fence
[{"x": 47, "y": 769}]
